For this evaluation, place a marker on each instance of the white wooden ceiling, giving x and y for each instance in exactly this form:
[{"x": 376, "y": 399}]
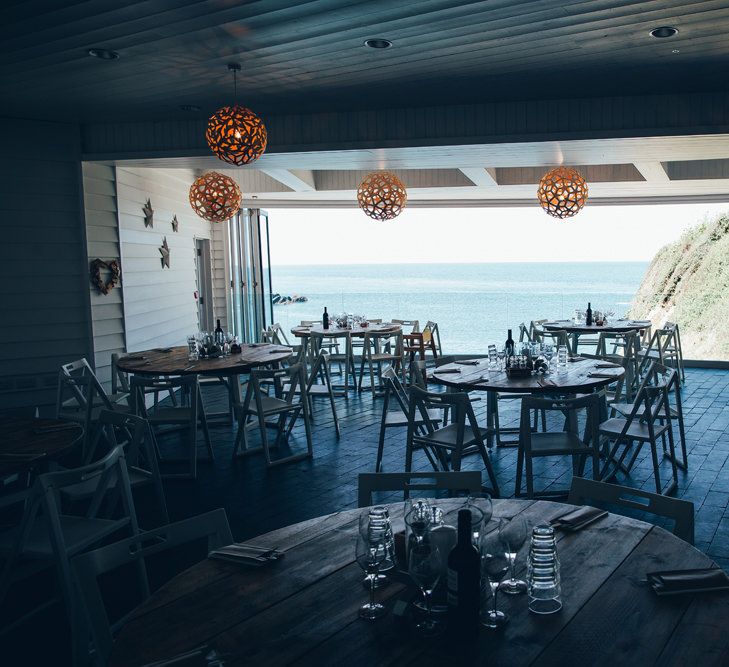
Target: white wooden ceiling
[{"x": 637, "y": 170}]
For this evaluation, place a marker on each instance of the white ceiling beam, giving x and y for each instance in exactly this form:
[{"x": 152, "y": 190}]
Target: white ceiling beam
[
  {"x": 653, "y": 172},
  {"x": 479, "y": 176},
  {"x": 299, "y": 180}
]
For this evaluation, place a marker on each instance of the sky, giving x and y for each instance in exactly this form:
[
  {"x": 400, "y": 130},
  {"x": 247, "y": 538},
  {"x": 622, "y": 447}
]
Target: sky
[{"x": 476, "y": 235}]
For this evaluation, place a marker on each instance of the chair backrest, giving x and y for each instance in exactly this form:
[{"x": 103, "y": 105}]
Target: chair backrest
[
  {"x": 394, "y": 389},
  {"x": 431, "y": 332},
  {"x": 119, "y": 379},
  {"x": 139, "y": 386},
  {"x": 77, "y": 388},
  {"x": 374, "y": 340},
  {"x": 278, "y": 335},
  {"x": 320, "y": 371},
  {"x": 89, "y": 567},
  {"x": 415, "y": 324},
  {"x": 418, "y": 374},
  {"x": 556, "y": 337},
  {"x": 569, "y": 406},
  {"x": 680, "y": 511},
  {"x": 136, "y": 436},
  {"x": 535, "y": 327},
  {"x": 468, "y": 481},
  {"x": 293, "y": 376},
  {"x": 524, "y": 333}
]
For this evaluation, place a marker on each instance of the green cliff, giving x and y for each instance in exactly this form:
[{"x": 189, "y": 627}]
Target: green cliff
[{"x": 688, "y": 282}]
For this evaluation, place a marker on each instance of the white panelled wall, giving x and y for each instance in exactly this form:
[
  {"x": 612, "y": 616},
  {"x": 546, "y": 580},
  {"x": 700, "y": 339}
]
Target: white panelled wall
[
  {"x": 154, "y": 306},
  {"x": 159, "y": 303}
]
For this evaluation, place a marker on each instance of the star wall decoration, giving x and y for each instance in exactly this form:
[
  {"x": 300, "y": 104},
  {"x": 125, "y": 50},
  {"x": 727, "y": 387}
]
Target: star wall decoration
[
  {"x": 175, "y": 224},
  {"x": 148, "y": 214},
  {"x": 164, "y": 250}
]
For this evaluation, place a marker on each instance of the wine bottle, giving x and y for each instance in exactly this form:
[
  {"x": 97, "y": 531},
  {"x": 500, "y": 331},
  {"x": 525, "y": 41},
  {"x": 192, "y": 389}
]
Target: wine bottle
[
  {"x": 588, "y": 315},
  {"x": 464, "y": 582},
  {"x": 509, "y": 345},
  {"x": 325, "y": 318},
  {"x": 219, "y": 336}
]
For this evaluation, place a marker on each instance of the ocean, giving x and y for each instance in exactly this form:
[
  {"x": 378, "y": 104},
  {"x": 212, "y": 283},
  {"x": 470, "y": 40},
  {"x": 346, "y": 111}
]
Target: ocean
[{"x": 473, "y": 304}]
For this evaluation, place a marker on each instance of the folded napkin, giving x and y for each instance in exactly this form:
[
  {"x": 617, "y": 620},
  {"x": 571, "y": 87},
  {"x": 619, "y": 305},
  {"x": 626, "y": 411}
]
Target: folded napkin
[
  {"x": 163, "y": 349},
  {"x": 576, "y": 358},
  {"x": 246, "y": 554},
  {"x": 579, "y": 518},
  {"x": 204, "y": 656},
  {"x": 671, "y": 582},
  {"x": 602, "y": 375},
  {"x": 468, "y": 362},
  {"x": 447, "y": 370},
  {"x": 138, "y": 357},
  {"x": 544, "y": 382},
  {"x": 607, "y": 364}
]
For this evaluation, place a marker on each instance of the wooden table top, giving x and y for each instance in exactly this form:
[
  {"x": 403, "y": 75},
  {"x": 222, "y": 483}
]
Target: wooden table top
[
  {"x": 574, "y": 379},
  {"x": 174, "y": 361},
  {"x": 302, "y": 609},
  {"x": 356, "y": 331},
  {"x": 26, "y": 442},
  {"x": 613, "y": 326}
]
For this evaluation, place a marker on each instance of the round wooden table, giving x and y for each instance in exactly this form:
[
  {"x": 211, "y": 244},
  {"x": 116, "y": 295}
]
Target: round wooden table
[
  {"x": 26, "y": 443},
  {"x": 302, "y": 609},
  {"x": 613, "y": 326},
  {"x": 356, "y": 331},
  {"x": 575, "y": 378},
  {"x": 174, "y": 361}
]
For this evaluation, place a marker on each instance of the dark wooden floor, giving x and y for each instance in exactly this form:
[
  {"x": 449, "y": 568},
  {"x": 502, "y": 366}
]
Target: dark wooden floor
[{"x": 258, "y": 499}]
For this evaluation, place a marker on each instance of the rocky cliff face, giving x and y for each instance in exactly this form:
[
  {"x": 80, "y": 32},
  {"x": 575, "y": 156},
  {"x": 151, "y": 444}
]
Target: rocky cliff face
[{"x": 688, "y": 283}]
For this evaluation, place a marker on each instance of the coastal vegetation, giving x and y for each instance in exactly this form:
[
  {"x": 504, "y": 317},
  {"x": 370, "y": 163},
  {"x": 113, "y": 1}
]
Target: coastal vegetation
[{"x": 688, "y": 283}]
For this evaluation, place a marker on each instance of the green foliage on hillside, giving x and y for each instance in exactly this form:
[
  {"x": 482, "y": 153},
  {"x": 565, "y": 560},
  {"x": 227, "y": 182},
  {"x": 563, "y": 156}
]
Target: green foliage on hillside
[{"x": 688, "y": 282}]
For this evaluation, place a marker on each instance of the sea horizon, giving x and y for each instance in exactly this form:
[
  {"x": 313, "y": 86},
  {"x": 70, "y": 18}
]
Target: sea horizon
[{"x": 473, "y": 303}]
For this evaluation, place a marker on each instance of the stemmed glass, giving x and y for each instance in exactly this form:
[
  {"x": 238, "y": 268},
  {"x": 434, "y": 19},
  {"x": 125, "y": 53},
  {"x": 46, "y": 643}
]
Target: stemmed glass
[
  {"x": 425, "y": 565},
  {"x": 374, "y": 526},
  {"x": 494, "y": 566},
  {"x": 513, "y": 534},
  {"x": 370, "y": 553}
]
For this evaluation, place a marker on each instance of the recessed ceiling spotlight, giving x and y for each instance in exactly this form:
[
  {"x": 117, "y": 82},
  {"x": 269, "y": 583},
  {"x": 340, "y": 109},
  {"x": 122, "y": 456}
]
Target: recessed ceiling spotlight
[
  {"x": 103, "y": 54},
  {"x": 663, "y": 32},
  {"x": 378, "y": 43},
  {"x": 675, "y": 50},
  {"x": 189, "y": 107}
]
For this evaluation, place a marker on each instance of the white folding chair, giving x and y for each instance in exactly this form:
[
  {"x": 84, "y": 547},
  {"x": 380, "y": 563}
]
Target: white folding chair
[{"x": 89, "y": 567}]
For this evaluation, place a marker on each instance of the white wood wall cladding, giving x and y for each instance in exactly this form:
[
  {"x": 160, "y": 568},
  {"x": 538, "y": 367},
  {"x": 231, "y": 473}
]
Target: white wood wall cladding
[
  {"x": 43, "y": 274},
  {"x": 159, "y": 304},
  {"x": 102, "y": 240},
  {"x": 219, "y": 250}
]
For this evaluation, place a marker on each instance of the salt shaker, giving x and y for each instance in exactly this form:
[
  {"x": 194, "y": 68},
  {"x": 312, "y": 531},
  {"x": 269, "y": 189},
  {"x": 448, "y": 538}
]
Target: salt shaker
[{"x": 543, "y": 580}]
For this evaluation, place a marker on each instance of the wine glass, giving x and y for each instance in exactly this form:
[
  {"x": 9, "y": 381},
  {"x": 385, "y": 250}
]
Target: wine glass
[
  {"x": 369, "y": 554},
  {"x": 424, "y": 566},
  {"x": 494, "y": 566},
  {"x": 513, "y": 534},
  {"x": 374, "y": 525}
]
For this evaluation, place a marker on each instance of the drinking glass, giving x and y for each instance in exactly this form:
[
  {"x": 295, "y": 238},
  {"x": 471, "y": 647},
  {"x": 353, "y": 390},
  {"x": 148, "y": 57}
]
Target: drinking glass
[
  {"x": 513, "y": 534},
  {"x": 502, "y": 358},
  {"x": 374, "y": 525},
  {"x": 548, "y": 352},
  {"x": 192, "y": 348},
  {"x": 562, "y": 356},
  {"x": 370, "y": 554},
  {"x": 493, "y": 356},
  {"x": 494, "y": 566},
  {"x": 424, "y": 566}
]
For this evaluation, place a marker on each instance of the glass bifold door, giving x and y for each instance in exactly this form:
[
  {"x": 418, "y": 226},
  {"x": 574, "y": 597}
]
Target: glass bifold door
[{"x": 250, "y": 304}]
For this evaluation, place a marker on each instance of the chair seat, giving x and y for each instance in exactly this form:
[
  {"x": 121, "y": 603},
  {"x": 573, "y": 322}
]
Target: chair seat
[
  {"x": 637, "y": 431},
  {"x": 448, "y": 437},
  {"x": 271, "y": 406},
  {"x": 87, "y": 488},
  {"x": 398, "y": 418},
  {"x": 178, "y": 415},
  {"x": 546, "y": 444},
  {"x": 78, "y": 534},
  {"x": 626, "y": 409}
]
